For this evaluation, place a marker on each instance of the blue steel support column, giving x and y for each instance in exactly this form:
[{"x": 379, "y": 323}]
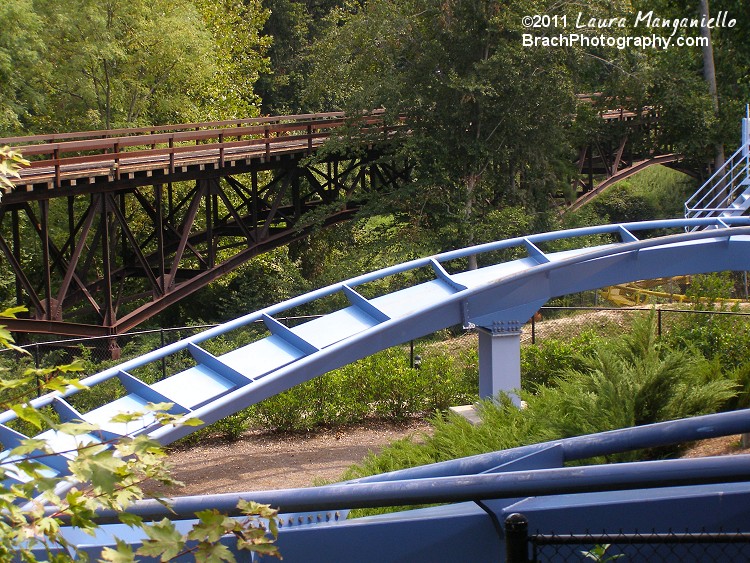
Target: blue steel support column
[
  {"x": 500, "y": 359},
  {"x": 746, "y": 141}
]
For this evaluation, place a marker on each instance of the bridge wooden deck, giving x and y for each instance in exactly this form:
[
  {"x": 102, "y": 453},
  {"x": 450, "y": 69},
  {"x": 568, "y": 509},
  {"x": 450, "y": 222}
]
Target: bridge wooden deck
[{"x": 141, "y": 156}]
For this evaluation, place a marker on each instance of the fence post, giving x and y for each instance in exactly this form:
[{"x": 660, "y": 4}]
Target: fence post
[
  {"x": 36, "y": 365},
  {"x": 163, "y": 360},
  {"x": 658, "y": 322},
  {"x": 516, "y": 539}
]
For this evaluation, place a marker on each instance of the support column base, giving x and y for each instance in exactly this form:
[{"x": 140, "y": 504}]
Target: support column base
[{"x": 499, "y": 363}]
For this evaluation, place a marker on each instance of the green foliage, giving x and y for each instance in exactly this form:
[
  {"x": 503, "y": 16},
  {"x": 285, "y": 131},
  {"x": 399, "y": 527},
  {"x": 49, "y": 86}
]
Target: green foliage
[
  {"x": 721, "y": 337},
  {"x": 741, "y": 376},
  {"x": 636, "y": 379},
  {"x": 83, "y": 65},
  {"x": 718, "y": 337},
  {"x": 106, "y": 474},
  {"x": 584, "y": 217},
  {"x": 21, "y": 62},
  {"x": 262, "y": 281},
  {"x": 203, "y": 540},
  {"x": 664, "y": 189},
  {"x": 474, "y": 98},
  {"x": 363, "y": 245},
  {"x": 123, "y": 63},
  {"x": 382, "y": 386},
  {"x": 294, "y": 25},
  {"x": 10, "y": 162},
  {"x": 599, "y": 553},
  {"x": 710, "y": 287},
  {"x": 621, "y": 206},
  {"x": 543, "y": 362},
  {"x": 654, "y": 193},
  {"x": 240, "y": 49}
]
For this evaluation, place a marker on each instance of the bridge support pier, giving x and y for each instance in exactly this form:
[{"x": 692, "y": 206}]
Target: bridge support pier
[{"x": 500, "y": 360}]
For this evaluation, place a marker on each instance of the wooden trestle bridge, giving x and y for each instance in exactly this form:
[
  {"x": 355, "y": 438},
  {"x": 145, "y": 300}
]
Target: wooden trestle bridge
[
  {"x": 101, "y": 237},
  {"x": 106, "y": 229}
]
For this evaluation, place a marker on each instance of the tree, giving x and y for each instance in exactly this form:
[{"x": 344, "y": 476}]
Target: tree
[
  {"x": 694, "y": 118},
  {"x": 486, "y": 117},
  {"x": 709, "y": 74},
  {"x": 292, "y": 25},
  {"x": 123, "y": 62},
  {"x": 86, "y": 64},
  {"x": 240, "y": 49},
  {"x": 21, "y": 64}
]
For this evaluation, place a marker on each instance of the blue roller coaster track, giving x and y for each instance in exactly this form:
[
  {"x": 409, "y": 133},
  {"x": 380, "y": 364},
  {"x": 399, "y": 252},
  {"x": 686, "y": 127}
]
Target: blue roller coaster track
[
  {"x": 479, "y": 492},
  {"x": 495, "y": 298}
]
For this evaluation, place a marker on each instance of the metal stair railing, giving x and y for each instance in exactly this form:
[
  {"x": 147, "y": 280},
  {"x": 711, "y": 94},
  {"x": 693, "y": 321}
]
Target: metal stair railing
[{"x": 725, "y": 186}]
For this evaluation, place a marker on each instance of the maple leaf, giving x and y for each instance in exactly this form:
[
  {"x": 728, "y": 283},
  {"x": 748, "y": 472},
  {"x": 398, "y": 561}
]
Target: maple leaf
[
  {"x": 123, "y": 553},
  {"x": 212, "y": 526},
  {"x": 164, "y": 542},
  {"x": 213, "y": 553}
]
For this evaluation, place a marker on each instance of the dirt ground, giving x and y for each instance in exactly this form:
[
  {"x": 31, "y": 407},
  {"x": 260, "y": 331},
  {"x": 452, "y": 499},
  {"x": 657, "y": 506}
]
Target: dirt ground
[{"x": 262, "y": 461}]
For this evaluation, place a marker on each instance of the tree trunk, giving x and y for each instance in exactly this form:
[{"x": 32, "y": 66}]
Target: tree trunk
[
  {"x": 709, "y": 75},
  {"x": 469, "y": 219}
]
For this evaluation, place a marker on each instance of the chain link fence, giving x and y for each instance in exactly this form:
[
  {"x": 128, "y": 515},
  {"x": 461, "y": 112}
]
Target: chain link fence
[
  {"x": 568, "y": 322},
  {"x": 653, "y": 547},
  {"x": 561, "y": 323},
  {"x": 669, "y": 546}
]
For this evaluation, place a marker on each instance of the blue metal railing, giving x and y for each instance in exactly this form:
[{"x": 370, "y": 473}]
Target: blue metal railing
[
  {"x": 624, "y": 230},
  {"x": 727, "y": 192}
]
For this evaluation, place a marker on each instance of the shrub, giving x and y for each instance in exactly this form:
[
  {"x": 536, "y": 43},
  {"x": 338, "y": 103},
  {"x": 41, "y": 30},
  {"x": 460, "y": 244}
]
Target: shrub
[
  {"x": 383, "y": 385},
  {"x": 721, "y": 337},
  {"x": 541, "y": 363},
  {"x": 620, "y": 383}
]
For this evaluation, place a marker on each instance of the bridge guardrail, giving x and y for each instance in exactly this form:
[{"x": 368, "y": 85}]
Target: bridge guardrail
[{"x": 153, "y": 147}]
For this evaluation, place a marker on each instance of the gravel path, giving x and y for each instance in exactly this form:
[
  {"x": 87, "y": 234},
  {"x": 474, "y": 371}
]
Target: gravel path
[{"x": 261, "y": 461}]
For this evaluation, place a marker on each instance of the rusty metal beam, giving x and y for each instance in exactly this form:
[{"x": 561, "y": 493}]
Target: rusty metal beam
[
  {"x": 95, "y": 267},
  {"x": 192, "y": 285},
  {"x": 187, "y": 224},
  {"x": 88, "y": 221},
  {"x": 134, "y": 247}
]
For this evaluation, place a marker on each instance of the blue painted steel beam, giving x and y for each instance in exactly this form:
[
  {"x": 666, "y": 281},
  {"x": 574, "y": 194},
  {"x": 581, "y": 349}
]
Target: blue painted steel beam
[
  {"x": 245, "y": 320},
  {"x": 485, "y": 486},
  {"x": 493, "y": 294},
  {"x": 453, "y": 480}
]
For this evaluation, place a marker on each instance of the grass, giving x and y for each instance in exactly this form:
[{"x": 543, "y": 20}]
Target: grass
[{"x": 657, "y": 191}]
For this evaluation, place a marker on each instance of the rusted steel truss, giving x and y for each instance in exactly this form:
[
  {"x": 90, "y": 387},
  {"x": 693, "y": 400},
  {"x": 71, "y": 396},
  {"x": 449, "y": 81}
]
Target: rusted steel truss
[
  {"x": 108, "y": 257},
  {"x": 624, "y": 138}
]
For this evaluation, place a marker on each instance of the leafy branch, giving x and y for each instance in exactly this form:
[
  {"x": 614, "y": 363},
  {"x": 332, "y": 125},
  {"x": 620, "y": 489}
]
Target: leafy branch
[
  {"x": 104, "y": 474},
  {"x": 11, "y": 162}
]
